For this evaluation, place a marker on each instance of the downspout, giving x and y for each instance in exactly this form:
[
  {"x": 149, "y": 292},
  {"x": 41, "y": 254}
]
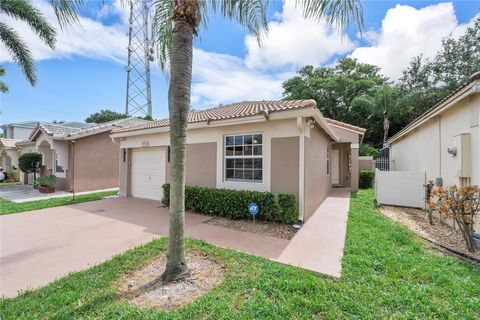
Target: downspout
[
  {"x": 440, "y": 146},
  {"x": 301, "y": 169}
]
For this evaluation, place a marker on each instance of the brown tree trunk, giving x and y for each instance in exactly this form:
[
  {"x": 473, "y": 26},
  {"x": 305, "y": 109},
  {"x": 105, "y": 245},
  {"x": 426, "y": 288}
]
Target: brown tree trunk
[
  {"x": 386, "y": 127},
  {"x": 178, "y": 105}
]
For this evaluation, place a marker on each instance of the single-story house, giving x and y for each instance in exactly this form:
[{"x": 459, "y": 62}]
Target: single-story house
[
  {"x": 444, "y": 141},
  {"x": 275, "y": 146},
  {"x": 83, "y": 158}
]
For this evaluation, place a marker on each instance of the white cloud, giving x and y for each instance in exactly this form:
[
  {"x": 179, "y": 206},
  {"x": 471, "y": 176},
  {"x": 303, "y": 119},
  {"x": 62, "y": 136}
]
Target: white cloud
[
  {"x": 407, "y": 32},
  {"x": 89, "y": 39},
  {"x": 222, "y": 78},
  {"x": 293, "y": 40}
]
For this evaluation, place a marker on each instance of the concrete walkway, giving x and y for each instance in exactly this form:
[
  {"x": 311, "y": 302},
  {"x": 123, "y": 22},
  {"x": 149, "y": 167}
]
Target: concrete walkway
[
  {"x": 318, "y": 245},
  {"x": 40, "y": 246}
]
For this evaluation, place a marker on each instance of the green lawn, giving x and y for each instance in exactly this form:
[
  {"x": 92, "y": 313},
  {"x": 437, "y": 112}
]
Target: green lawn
[
  {"x": 388, "y": 273},
  {"x": 7, "y": 207},
  {"x": 8, "y": 184}
]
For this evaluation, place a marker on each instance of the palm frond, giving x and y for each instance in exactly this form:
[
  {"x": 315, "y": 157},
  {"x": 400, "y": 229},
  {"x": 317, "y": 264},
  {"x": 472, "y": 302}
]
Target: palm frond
[
  {"x": 19, "y": 51},
  {"x": 339, "y": 13},
  {"x": 162, "y": 32},
  {"x": 66, "y": 11},
  {"x": 251, "y": 14},
  {"x": 23, "y": 10},
  {"x": 3, "y": 86}
]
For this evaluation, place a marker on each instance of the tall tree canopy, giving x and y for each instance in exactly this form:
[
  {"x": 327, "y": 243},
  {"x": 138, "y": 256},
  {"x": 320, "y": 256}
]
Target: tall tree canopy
[
  {"x": 334, "y": 89},
  {"x": 426, "y": 81},
  {"x": 105, "y": 115}
]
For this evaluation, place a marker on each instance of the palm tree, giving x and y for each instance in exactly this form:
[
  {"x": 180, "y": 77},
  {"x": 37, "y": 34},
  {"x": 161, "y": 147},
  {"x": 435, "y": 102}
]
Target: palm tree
[
  {"x": 384, "y": 103},
  {"x": 175, "y": 23},
  {"x": 24, "y": 10}
]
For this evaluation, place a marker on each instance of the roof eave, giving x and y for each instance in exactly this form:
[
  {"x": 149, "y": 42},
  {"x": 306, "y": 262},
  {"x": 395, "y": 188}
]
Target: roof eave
[{"x": 471, "y": 88}]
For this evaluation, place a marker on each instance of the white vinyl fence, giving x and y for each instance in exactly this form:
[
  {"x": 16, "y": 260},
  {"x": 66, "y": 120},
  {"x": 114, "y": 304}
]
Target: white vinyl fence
[{"x": 400, "y": 188}]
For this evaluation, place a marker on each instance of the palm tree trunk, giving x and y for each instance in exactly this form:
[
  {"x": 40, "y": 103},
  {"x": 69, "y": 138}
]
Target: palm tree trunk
[
  {"x": 178, "y": 105},
  {"x": 386, "y": 126}
]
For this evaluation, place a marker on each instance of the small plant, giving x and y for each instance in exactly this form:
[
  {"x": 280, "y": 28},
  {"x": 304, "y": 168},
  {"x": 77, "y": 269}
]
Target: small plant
[
  {"x": 428, "y": 195},
  {"x": 366, "y": 179},
  {"x": 460, "y": 204}
]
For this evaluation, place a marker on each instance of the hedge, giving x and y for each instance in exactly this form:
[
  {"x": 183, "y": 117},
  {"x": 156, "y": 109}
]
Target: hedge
[
  {"x": 233, "y": 204},
  {"x": 366, "y": 179}
]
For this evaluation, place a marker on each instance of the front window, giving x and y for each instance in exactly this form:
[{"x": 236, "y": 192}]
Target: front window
[
  {"x": 58, "y": 168},
  {"x": 244, "y": 157}
]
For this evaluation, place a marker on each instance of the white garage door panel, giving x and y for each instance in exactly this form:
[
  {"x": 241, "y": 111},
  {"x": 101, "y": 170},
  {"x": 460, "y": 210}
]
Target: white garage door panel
[{"x": 148, "y": 173}]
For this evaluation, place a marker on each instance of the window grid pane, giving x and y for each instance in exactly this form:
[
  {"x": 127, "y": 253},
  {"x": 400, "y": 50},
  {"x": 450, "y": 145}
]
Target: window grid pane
[{"x": 244, "y": 157}]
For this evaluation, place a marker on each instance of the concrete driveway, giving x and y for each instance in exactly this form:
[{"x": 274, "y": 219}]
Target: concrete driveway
[{"x": 39, "y": 246}]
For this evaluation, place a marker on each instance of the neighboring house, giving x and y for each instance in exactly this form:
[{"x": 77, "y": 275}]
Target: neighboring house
[
  {"x": 9, "y": 157},
  {"x": 275, "y": 146},
  {"x": 18, "y": 130},
  {"x": 83, "y": 158},
  {"x": 444, "y": 141}
]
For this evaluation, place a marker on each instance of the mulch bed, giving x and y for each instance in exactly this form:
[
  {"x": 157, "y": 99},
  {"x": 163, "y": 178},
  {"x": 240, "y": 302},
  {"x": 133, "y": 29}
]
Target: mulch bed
[
  {"x": 272, "y": 229},
  {"x": 141, "y": 288},
  {"x": 417, "y": 221}
]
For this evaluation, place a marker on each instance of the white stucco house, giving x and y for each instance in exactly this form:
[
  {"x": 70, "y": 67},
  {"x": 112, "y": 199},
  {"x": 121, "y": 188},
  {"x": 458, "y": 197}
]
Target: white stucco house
[{"x": 444, "y": 142}]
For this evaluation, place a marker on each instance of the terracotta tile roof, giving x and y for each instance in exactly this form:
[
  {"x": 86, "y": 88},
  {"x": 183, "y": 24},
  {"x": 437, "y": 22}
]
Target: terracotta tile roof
[
  {"x": 119, "y": 123},
  {"x": 9, "y": 143},
  {"x": 346, "y": 126},
  {"x": 230, "y": 111}
]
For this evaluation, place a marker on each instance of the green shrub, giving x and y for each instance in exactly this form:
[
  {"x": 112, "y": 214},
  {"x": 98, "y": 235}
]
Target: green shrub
[
  {"x": 30, "y": 163},
  {"x": 233, "y": 204},
  {"x": 366, "y": 179},
  {"x": 287, "y": 205}
]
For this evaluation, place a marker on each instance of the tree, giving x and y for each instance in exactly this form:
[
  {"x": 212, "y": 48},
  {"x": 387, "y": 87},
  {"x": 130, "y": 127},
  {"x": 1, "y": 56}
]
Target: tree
[
  {"x": 105, "y": 115},
  {"x": 384, "y": 103},
  {"x": 426, "y": 81},
  {"x": 174, "y": 47},
  {"x": 30, "y": 163},
  {"x": 23, "y": 10},
  {"x": 334, "y": 88},
  {"x": 369, "y": 150}
]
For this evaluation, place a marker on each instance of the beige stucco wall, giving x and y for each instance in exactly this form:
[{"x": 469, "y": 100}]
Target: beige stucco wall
[
  {"x": 284, "y": 169},
  {"x": 96, "y": 163},
  {"x": 317, "y": 182},
  {"x": 346, "y": 135},
  {"x": 425, "y": 148},
  {"x": 365, "y": 163},
  {"x": 201, "y": 165}
]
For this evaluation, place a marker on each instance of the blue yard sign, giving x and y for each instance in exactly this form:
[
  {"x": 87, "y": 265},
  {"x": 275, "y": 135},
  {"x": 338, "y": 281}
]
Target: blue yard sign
[{"x": 253, "y": 208}]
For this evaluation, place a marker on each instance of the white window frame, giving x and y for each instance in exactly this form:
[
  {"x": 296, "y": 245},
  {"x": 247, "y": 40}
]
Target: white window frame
[
  {"x": 253, "y": 157},
  {"x": 55, "y": 162}
]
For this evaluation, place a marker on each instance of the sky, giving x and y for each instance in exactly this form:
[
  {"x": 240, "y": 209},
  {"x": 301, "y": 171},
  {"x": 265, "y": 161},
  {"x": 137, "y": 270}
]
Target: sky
[{"x": 86, "y": 72}]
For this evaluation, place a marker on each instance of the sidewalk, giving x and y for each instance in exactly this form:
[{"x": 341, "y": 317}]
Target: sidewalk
[{"x": 318, "y": 245}]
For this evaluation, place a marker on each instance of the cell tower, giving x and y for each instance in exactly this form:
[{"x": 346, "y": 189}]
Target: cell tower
[{"x": 139, "y": 97}]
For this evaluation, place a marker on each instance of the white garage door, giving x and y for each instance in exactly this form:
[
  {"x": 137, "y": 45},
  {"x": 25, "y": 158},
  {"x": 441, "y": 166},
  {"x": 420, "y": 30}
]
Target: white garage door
[{"x": 148, "y": 173}]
